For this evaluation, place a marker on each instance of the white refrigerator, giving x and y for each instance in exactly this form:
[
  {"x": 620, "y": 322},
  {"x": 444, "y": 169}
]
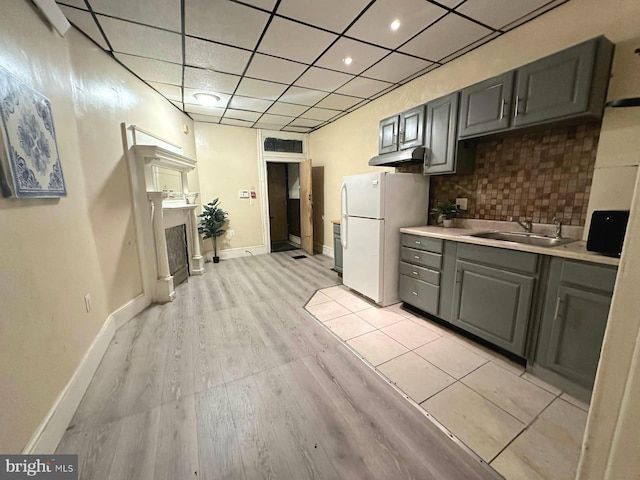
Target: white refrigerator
[{"x": 374, "y": 206}]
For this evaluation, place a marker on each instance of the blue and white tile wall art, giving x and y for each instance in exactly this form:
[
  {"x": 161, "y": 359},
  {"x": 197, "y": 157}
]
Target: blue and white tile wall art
[{"x": 30, "y": 149}]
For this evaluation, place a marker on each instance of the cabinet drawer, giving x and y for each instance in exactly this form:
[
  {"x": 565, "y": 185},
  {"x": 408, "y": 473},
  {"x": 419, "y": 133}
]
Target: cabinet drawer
[
  {"x": 420, "y": 273},
  {"x": 590, "y": 275},
  {"x": 422, "y": 243},
  {"x": 422, "y": 295},
  {"x": 419, "y": 257},
  {"x": 499, "y": 257}
]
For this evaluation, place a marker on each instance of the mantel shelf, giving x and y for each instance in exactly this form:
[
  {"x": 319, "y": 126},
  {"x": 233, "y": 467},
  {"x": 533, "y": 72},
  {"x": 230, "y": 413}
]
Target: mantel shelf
[{"x": 153, "y": 155}]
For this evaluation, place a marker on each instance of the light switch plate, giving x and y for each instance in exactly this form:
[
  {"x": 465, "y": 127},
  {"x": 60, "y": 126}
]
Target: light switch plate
[{"x": 462, "y": 203}]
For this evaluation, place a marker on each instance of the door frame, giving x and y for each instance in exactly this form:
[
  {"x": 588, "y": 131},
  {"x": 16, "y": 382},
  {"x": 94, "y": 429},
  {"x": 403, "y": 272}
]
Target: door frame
[{"x": 275, "y": 157}]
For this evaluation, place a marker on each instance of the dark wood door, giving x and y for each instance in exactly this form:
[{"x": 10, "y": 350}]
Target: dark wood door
[
  {"x": 306, "y": 207},
  {"x": 277, "y": 186}
]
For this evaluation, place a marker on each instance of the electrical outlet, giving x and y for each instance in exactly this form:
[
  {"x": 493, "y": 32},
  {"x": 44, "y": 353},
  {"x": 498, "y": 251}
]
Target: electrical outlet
[
  {"x": 232, "y": 233},
  {"x": 87, "y": 302},
  {"x": 462, "y": 203}
]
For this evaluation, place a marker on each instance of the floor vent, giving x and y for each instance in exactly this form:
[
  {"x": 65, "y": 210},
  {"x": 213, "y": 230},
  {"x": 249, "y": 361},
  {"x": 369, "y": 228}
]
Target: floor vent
[{"x": 298, "y": 257}]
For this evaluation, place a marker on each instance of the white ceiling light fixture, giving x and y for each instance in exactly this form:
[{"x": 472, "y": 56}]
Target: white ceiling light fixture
[
  {"x": 395, "y": 25},
  {"x": 347, "y": 60},
  {"x": 207, "y": 99}
]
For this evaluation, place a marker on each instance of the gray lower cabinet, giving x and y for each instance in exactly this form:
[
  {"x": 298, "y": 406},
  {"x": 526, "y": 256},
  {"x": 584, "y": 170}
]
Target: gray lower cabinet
[
  {"x": 574, "y": 319},
  {"x": 337, "y": 249},
  {"x": 493, "y": 304},
  {"x": 420, "y": 262}
]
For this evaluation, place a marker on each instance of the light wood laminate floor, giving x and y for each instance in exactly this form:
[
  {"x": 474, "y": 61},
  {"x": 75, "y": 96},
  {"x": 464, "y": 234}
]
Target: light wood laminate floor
[{"x": 235, "y": 380}]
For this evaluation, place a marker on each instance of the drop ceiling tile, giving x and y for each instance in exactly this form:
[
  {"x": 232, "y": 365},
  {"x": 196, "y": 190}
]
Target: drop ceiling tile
[
  {"x": 250, "y": 87},
  {"x": 498, "y": 13},
  {"x": 304, "y": 122},
  {"x": 470, "y": 47},
  {"x": 172, "y": 92},
  {"x": 204, "y": 118},
  {"x": 384, "y": 92},
  {"x": 322, "y": 114},
  {"x": 549, "y": 6},
  {"x": 334, "y": 15},
  {"x": 363, "y": 87},
  {"x": 226, "y": 22},
  {"x": 205, "y": 54},
  {"x": 363, "y": 56},
  {"x": 297, "y": 129},
  {"x": 202, "y": 110},
  {"x": 267, "y": 126},
  {"x": 274, "y": 69},
  {"x": 242, "y": 115},
  {"x": 265, "y": 4},
  {"x": 83, "y": 20},
  {"x": 159, "y": 13},
  {"x": 152, "y": 70},
  {"x": 275, "y": 119},
  {"x": 420, "y": 73},
  {"x": 73, "y": 3},
  {"x": 127, "y": 37},
  {"x": 450, "y": 3},
  {"x": 358, "y": 105},
  {"x": 236, "y": 123},
  {"x": 450, "y": 34},
  {"x": 189, "y": 97},
  {"x": 395, "y": 68},
  {"x": 321, "y": 79},
  {"x": 210, "y": 81},
  {"x": 247, "y": 103},
  {"x": 338, "y": 102},
  {"x": 302, "y": 96},
  {"x": 281, "y": 108},
  {"x": 374, "y": 25},
  {"x": 294, "y": 41}
]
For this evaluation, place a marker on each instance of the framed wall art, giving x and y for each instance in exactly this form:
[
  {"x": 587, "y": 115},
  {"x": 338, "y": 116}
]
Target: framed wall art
[{"x": 30, "y": 162}]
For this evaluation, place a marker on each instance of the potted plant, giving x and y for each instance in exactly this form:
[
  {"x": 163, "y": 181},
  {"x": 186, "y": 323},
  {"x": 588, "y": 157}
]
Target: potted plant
[
  {"x": 446, "y": 212},
  {"x": 211, "y": 224}
]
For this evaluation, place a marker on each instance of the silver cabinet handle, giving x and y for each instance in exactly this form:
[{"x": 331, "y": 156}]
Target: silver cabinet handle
[
  {"x": 416, "y": 257},
  {"x": 557, "y": 315},
  {"x": 418, "y": 243},
  {"x": 416, "y": 273},
  {"x": 415, "y": 293},
  {"x": 504, "y": 100},
  {"x": 517, "y": 105}
]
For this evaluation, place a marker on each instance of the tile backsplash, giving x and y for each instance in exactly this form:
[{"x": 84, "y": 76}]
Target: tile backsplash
[{"x": 537, "y": 175}]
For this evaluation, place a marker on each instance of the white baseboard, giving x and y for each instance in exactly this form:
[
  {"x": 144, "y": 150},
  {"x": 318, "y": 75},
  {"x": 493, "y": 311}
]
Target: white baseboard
[
  {"x": 328, "y": 251},
  {"x": 242, "y": 252},
  {"x": 47, "y": 436}
]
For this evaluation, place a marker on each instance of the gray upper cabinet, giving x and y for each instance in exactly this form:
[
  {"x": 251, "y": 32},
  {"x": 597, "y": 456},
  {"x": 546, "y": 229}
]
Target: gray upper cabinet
[
  {"x": 412, "y": 128},
  {"x": 440, "y": 135},
  {"x": 388, "y": 135},
  {"x": 485, "y": 107},
  {"x": 493, "y": 304},
  {"x": 574, "y": 319},
  {"x": 556, "y": 86}
]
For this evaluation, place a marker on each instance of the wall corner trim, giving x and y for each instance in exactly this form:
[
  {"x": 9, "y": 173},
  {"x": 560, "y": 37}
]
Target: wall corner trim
[{"x": 47, "y": 436}]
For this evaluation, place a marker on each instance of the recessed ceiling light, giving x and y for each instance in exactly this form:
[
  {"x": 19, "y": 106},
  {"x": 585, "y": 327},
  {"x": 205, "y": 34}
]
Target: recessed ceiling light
[
  {"x": 207, "y": 99},
  {"x": 347, "y": 60},
  {"x": 395, "y": 25}
]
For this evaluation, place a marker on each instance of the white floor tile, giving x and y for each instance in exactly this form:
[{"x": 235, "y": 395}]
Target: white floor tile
[
  {"x": 349, "y": 326},
  {"x": 410, "y": 334},
  {"x": 507, "y": 364},
  {"x": 541, "y": 383},
  {"x": 451, "y": 357},
  {"x": 482, "y": 426},
  {"x": 380, "y": 317},
  {"x": 338, "y": 291},
  {"x": 442, "y": 331},
  {"x": 354, "y": 303},
  {"x": 574, "y": 401},
  {"x": 518, "y": 397},
  {"x": 549, "y": 449},
  {"x": 397, "y": 308},
  {"x": 473, "y": 346},
  {"x": 319, "y": 297},
  {"x": 377, "y": 347},
  {"x": 415, "y": 376},
  {"x": 327, "y": 311}
]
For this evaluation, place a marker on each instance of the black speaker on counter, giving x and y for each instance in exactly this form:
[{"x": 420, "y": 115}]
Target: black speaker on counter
[{"x": 607, "y": 230}]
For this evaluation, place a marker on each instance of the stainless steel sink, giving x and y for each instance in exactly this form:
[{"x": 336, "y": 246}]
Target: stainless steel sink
[{"x": 525, "y": 238}]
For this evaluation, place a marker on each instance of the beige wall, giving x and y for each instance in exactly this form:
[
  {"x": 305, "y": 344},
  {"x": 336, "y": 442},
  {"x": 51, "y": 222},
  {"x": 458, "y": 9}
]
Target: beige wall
[
  {"x": 53, "y": 252},
  {"x": 228, "y": 163},
  {"x": 345, "y": 146}
]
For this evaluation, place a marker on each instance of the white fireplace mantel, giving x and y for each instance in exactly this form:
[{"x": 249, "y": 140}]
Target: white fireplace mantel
[{"x": 154, "y": 155}]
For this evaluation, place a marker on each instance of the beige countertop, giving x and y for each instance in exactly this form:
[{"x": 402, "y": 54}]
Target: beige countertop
[{"x": 575, "y": 250}]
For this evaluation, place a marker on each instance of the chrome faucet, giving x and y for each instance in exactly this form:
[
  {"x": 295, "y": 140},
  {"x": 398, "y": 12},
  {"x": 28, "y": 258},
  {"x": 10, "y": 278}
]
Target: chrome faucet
[
  {"x": 526, "y": 224},
  {"x": 558, "y": 223}
]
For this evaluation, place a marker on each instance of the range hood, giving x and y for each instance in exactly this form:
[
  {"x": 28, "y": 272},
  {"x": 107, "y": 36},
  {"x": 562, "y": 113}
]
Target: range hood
[{"x": 411, "y": 155}]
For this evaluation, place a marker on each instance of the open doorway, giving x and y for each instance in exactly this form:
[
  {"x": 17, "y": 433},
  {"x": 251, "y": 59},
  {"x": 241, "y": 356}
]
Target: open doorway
[{"x": 283, "y": 186}]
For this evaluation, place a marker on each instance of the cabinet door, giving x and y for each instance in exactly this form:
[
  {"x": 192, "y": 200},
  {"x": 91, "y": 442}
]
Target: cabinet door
[
  {"x": 576, "y": 323},
  {"x": 412, "y": 128},
  {"x": 493, "y": 304},
  {"x": 485, "y": 107},
  {"x": 440, "y": 136},
  {"x": 388, "y": 135},
  {"x": 556, "y": 86}
]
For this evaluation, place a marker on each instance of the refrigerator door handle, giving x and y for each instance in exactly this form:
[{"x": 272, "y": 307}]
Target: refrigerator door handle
[
  {"x": 343, "y": 215},
  {"x": 343, "y": 232}
]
